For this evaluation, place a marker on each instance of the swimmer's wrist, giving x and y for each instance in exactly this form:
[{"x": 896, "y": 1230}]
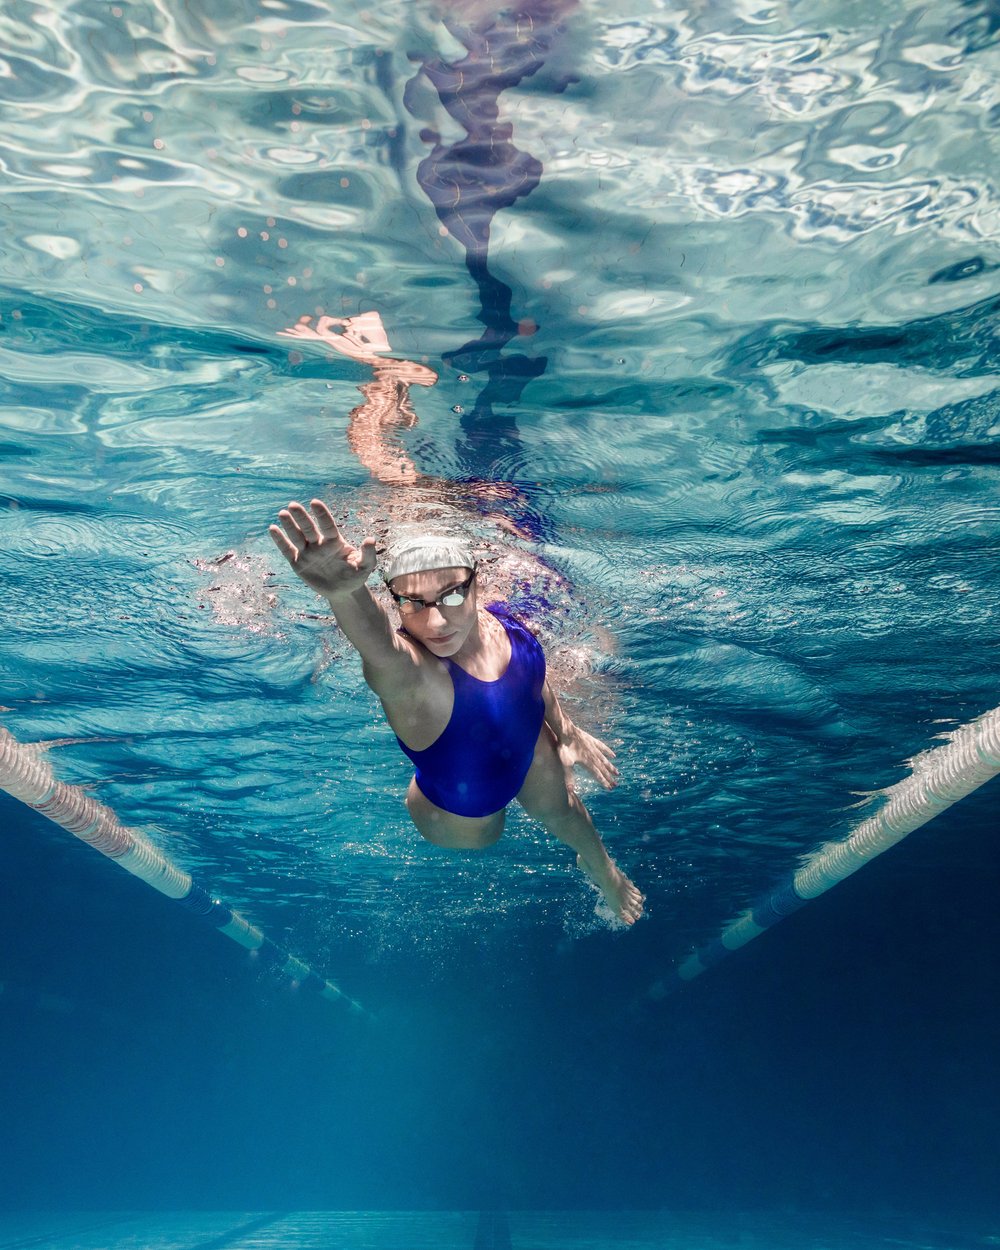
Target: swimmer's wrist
[{"x": 344, "y": 596}]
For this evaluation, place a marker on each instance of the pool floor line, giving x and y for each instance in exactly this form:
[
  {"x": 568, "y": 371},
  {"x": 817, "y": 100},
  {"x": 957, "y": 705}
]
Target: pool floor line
[{"x": 233, "y": 1236}]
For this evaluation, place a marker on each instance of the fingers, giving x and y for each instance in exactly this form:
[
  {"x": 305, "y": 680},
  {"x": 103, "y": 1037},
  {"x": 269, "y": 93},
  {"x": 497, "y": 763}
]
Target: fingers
[
  {"x": 599, "y": 763},
  {"x": 283, "y": 543},
  {"x": 607, "y": 775},
  {"x": 324, "y": 521},
  {"x": 304, "y": 527},
  {"x": 602, "y": 771},
  {"x": 305, "y": 522},
  {"x": 292, "y": 532},
  {"x": 303, "y": 330},
  {"x": 299, "y": 527},
  {"x": 605, "y": 772},
  {"x": 368, "y": 559},
  {"x": 363, "y": 558}
]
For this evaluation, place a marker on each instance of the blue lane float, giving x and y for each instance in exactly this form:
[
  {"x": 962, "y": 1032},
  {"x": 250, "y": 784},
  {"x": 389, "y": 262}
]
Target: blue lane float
[
  {"x": 940, "y": 777},
  {"x": 25, "y": 774}
]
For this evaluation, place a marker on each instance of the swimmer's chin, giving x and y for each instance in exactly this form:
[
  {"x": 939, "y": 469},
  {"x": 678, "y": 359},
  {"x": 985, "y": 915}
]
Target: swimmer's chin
[{"x": 444, "y": 647}]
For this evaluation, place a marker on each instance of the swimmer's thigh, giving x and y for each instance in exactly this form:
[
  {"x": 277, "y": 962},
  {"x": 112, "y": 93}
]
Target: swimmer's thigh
[
  {"x": 545, "y": 795},
  {"x": 457, "y": 833}
]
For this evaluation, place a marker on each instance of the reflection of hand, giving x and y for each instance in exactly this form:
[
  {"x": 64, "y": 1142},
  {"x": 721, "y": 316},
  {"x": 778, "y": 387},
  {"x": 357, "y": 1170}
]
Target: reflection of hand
[
  {"x": 317, "y": 551},
  {"x": 303, "y": 330},
  {"x": 580, "y": 747},
  {"x": 352, "y": 342}
]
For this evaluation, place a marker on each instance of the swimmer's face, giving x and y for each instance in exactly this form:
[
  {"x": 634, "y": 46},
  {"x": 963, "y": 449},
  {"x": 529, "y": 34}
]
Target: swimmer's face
[{"x": 443, "y": 630}]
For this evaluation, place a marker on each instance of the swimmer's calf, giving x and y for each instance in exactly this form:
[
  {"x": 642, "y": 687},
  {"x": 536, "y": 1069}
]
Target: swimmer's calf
[{"x": 464, "y": 690}]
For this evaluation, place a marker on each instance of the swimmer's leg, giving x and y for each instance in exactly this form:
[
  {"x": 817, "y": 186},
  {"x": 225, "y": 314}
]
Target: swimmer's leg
[
  {"x": 457, "y": 833},
  {"x": 548, "y": 798}
]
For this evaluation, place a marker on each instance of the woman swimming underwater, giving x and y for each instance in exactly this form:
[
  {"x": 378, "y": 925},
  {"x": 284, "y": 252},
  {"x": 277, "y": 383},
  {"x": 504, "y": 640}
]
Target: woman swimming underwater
[{"x": 463, "y": 688}]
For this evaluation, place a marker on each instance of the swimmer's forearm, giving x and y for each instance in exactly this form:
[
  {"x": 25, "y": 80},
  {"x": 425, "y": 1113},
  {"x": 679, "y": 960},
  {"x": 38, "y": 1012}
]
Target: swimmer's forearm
[
  {"x": 357, "y": 613},
  {"x": 556, "y": 719},
  {"x": 366, "y": 626}
]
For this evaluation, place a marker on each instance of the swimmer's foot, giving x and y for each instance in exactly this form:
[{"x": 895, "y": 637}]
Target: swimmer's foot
[{"x": 620, "y": 894}]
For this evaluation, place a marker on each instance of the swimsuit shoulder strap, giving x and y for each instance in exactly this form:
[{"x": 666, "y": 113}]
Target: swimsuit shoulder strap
[
  {"x": 525, "y": 650},
  {"x": 511, "y": 623}
]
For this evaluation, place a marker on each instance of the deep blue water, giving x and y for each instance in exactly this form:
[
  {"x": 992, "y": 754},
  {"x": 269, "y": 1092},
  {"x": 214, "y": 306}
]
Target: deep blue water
[{"x": 711, "y": 295}]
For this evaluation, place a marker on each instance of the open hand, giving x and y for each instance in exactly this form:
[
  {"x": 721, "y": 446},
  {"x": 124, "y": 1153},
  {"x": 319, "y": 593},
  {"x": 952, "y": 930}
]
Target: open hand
[
  {"x": 318, "y": 552},
  {"x": 321, "y": 331},
  {"x": 580, "y": 747},
  {"x": 360, "y": 337}
]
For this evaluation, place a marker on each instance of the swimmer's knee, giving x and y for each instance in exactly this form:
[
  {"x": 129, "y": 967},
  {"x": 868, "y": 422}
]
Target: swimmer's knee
[
  {"x": 548, "y": 797},
  {"x": 555, "y": 809}
]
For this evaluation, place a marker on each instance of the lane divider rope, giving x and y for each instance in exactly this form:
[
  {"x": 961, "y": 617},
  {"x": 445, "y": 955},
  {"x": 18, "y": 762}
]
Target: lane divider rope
[
  {"x": 26, "y": 775},
  {"x": 940, "y": 777}
]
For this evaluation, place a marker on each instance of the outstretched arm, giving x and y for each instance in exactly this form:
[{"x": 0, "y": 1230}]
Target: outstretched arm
[
  {"x": 318, "y": 552},
  {"x": 575, "y": 746}
]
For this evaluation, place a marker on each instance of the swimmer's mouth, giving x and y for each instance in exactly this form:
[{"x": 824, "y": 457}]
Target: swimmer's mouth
[{"x": 443, "y": 639}]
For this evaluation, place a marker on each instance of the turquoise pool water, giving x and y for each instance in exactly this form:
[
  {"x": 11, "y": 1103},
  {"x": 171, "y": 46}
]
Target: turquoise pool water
[{"x": 711, "y": 297}]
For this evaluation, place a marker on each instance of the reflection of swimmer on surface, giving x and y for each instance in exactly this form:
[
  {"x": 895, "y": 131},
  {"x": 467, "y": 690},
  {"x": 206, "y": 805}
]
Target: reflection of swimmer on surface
[
  {"x": 374, "y": 431},
  {"x": 464, "y": 689},
  {"x": 387, "y": 405},
  {"x": 373, "y": 426}
]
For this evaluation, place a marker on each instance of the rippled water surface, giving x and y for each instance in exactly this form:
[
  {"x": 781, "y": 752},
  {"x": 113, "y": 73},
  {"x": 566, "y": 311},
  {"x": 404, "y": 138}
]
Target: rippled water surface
[{"x": 712, "y": 297}]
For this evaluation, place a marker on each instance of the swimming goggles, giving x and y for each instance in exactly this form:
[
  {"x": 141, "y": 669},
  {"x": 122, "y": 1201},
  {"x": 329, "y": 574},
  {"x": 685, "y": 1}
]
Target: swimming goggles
[{"x": 410, "y": 605}]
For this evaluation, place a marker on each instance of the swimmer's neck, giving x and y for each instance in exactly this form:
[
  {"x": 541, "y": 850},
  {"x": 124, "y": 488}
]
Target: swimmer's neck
[
  {"x": 485, "y": 651},
  {"x": 480, "y": 643}
]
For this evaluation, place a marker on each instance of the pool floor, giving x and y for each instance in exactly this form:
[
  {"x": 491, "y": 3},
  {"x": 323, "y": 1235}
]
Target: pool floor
[{"x": 477, "y": 1230}]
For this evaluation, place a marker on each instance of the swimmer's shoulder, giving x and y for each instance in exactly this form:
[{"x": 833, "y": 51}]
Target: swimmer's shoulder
[
  {"x": 416, "y": 674},
  {"x": 505, "y": 613}
]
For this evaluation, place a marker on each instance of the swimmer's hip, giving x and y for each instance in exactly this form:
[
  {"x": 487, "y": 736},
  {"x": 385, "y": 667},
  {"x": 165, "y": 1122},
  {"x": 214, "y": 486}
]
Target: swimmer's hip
[{"x": 448, "y": 829}]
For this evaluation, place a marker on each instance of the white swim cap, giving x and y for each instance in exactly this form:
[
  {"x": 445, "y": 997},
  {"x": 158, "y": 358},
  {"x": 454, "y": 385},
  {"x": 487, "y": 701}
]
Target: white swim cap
[{"x": 423, "y": 552}]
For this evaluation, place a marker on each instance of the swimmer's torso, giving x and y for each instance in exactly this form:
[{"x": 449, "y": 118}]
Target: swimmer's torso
[{"x": 474, "y": 742}]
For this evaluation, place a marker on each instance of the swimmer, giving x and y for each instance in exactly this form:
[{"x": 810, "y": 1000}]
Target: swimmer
[{"x": 463, "y": 688}]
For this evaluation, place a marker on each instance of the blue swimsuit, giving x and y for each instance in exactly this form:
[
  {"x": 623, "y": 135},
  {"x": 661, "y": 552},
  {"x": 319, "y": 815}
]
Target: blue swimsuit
[{"x": 479, "y": 762}]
